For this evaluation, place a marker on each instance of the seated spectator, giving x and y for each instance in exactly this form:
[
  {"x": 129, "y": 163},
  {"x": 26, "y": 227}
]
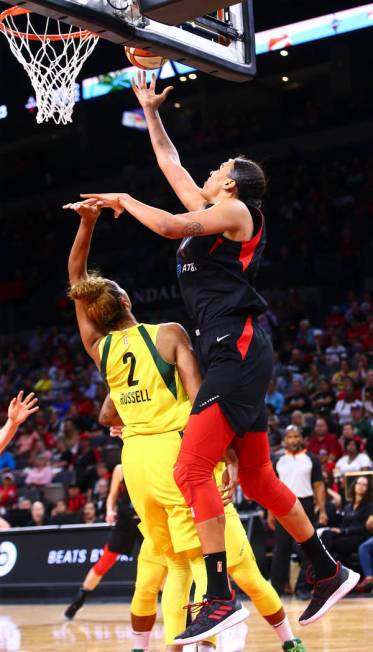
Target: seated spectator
[
  {"x": 359, "y": 422},
  {"x": 366, "y": 560},
  {"x": 312, "y": 379},
  {"x": 43, "y": 385},
  {"x": 62, "y": 457},
  {"x": 296, "y": 364},
  {"x": 99, "y": 497},
  {"x": 298, "y": 399},
  {"x": 346, "y": 539},
  {"x": 342, "y": 410},
  {"x": 324, "y": 442},
  {"x": 25, "y": 442},
  {"x": 38, "y": 515},
  {"x": 89, "y": 514},
  {"x": 274, "y": 397},
  {"x": 7, "y": 461},
  {"x": 75, "y": 499},
  {"x": 85, "y": 463},
  {"x": 354, "y": 460},
  {"x": 338, "y": 380},
  {"x": 275, "y": 434},
  {"x": 40, "y": 474},
  {"x": 61, "y": 404},
  {"x": 323, "y": 400},
  {"x": 60, "y": 514},
  {"x": 348, "y": 433},
  {"x": 8, "y": 491},
  {"x": 334, "y": 352}
]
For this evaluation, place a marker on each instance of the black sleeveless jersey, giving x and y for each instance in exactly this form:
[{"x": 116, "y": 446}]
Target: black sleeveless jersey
[{"x": 217, "y": 275}]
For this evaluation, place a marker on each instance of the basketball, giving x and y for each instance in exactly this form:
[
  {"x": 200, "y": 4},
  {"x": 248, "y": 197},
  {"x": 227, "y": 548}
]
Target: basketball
[{"x": 144, "y": 59}]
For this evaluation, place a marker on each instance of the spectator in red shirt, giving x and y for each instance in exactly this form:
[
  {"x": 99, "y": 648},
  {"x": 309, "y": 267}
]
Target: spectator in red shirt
[
  {"x": 75, "y": 499},
  {"x": 8, "y": 491},
  {"x": 323, "y": 441}
]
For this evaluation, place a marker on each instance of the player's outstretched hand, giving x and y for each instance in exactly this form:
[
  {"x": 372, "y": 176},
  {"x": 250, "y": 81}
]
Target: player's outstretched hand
[
  {"x": 87, "y": 211},
  {"x": 19, "y": 408},
  {"x": 146, "y": 95},
  {"x": 113, "y": 200}
]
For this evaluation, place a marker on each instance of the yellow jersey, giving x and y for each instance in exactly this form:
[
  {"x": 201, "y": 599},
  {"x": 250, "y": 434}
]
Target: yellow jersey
[{"x": 146, "y": 390}]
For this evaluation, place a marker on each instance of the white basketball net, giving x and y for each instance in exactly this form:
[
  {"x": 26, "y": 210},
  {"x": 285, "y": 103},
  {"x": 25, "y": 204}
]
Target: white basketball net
[{"x": 52, "y": 62}]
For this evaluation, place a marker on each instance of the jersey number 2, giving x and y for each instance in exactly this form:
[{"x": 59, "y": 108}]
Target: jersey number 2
[{"x": 126, "y": 357}]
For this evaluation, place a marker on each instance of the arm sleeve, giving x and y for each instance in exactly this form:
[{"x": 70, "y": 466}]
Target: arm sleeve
[{"x": 316, "y": 473}]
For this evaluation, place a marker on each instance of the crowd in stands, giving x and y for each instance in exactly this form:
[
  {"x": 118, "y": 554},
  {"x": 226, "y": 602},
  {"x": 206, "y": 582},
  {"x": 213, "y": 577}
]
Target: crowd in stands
[{"x": 57, "y": 470}]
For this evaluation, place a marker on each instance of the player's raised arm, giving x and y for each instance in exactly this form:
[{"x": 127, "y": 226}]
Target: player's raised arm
[
  {"x": 78, "y": 276},
  {"x": 18, "y": 411},
  {"x": 167, "y": 155}
]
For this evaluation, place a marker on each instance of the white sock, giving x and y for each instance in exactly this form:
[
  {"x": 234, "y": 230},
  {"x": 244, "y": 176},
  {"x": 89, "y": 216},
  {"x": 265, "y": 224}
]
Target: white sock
[
  {"x": 206, "y": 647},
  {"x": 283, "y": 630},
  {"x": 140, "y": 640}
]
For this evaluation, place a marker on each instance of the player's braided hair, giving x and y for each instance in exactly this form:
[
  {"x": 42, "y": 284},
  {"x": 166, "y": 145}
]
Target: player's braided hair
[
  {"x": 250, "y": 180},
  {"x": 102, "y": 298}
]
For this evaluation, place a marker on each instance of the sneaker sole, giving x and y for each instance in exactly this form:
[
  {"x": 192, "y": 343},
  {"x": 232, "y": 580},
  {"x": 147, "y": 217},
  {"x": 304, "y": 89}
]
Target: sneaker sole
[
  {"x": 234, "y": 619},
  {"x": 345, "y": 588}
]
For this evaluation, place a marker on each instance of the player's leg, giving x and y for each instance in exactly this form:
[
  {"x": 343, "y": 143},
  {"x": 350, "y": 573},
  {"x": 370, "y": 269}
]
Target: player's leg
[
  {"x": 151, "y": 574},
  {"x": 205, "y": 440},
  {"x": 175, "y": 597},
  {"x": 260, "y": 483},
  {"x": 92, "y": 579}
]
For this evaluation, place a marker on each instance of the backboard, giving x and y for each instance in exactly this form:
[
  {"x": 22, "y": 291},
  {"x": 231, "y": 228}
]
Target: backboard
[{"x": 221, "y": 43}]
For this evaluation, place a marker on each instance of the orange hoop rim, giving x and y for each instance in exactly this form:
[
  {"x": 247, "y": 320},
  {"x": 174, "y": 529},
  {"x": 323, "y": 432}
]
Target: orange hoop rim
[{"x": 17, "y": 11}]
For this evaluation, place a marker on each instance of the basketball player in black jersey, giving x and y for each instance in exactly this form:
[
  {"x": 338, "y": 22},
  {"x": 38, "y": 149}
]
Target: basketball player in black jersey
[{"x": 223, "y": 237}]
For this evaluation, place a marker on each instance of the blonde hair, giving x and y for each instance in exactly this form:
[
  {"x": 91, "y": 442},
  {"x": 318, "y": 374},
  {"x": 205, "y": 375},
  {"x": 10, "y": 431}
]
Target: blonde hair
[{"x": 102, "y": 299}]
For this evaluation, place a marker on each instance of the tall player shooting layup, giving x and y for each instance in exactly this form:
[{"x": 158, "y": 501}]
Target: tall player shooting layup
[{"x": 223, "y": 241}]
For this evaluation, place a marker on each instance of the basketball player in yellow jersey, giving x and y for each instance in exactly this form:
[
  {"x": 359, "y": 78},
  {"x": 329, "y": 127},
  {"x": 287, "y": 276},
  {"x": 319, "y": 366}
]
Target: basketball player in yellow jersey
[{"x": 147, "y": 368}]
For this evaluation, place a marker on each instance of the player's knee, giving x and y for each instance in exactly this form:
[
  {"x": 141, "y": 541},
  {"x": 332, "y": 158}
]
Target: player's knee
[
  {"x": 263, "y": 486},
  {"x": 106, "y": 562},
  {"x": 190, "y": 475}
]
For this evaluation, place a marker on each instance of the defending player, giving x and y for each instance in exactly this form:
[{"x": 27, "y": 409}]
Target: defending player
[
  {"x": 18, "y": 411},
  {"x": 121, "y": 540},
  {"x": 223, "y": 241},
  {"x": 151, "y": 400}
]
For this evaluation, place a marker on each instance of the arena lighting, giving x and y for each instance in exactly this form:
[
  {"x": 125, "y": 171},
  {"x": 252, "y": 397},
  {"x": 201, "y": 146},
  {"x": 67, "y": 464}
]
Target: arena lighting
[
  {"x": 314, "y": 29},
  {"x": 284, "y": 53},
  {"x": 192, "y": 75},
  {"x": 285, "y": 78},
  {"x": 277, "y": 38}
]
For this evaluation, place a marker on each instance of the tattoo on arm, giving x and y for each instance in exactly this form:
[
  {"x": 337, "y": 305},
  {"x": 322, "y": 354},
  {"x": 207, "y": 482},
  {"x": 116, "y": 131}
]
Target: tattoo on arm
[{"x": 194, "y": 228}]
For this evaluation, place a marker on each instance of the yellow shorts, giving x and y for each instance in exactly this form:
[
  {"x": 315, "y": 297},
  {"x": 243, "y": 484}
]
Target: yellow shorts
[{"x": 148, "y": 462}]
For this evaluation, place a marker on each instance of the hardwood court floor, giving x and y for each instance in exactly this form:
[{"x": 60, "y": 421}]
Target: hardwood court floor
[{"x": 105, "y": 628}]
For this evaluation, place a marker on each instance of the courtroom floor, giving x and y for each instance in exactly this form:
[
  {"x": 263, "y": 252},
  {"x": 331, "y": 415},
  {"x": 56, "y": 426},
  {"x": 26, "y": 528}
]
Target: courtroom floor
[{"x": 105, "y": 628}]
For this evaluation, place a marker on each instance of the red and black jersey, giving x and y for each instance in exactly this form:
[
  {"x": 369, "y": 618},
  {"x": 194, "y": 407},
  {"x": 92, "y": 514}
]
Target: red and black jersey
[{"x": 217, "y": 275}]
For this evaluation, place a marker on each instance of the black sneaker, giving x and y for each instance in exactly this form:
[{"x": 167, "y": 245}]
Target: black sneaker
[
  {"x": 327, "y": 592},
  {"x": 214, "y": 615},
  {"x": 76, "y": 604}
]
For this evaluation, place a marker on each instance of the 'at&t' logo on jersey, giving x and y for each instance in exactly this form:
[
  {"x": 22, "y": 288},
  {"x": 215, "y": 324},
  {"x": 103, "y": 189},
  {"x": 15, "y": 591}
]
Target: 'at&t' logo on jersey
[{"x": 187, "y": 267}]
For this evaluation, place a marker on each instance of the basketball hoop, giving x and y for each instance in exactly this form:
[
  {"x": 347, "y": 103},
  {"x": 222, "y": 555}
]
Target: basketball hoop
[{"x": 51, "y": 60}]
